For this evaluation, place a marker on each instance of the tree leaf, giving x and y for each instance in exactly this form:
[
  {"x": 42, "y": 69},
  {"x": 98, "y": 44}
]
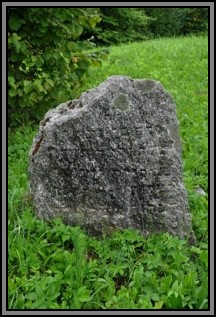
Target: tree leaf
[
  {"x": 50, "y": 82},
  {"x": 38, "y": 86},
  {"x": 14, "y": 24},
  {"x": 12, "y": 92}
]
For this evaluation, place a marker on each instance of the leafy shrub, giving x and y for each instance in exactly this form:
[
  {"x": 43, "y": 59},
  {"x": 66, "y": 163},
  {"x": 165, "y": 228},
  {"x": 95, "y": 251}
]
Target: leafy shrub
[
  {"x": 177, "y": 21},
  {"x": 120, "y": 25},
  {"x": 46, "y": 60}
]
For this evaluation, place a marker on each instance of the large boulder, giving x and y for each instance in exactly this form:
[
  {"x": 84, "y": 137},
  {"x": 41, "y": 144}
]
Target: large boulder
[{"x": 112, "y": 159}]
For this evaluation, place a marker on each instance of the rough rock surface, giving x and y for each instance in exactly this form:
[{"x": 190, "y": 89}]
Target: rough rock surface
[{"x": 112, "y": 159}]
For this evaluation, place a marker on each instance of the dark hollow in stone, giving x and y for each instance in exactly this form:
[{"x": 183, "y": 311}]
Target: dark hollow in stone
[{"x": 112, "y": 159}]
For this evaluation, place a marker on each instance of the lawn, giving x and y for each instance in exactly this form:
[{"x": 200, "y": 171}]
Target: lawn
[{"x": 53, "y": 266}]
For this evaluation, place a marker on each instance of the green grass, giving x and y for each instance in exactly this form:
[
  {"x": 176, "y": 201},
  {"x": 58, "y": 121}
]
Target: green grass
[{"x": 51, "y": 265}]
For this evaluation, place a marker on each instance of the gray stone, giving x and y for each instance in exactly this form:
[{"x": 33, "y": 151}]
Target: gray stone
[
  {"x": 200, "y": 191},
  {"x": 112, "y": 159}
]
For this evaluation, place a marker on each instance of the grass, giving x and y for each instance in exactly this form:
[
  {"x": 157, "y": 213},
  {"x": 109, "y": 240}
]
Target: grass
[{"x": 52, "y": 266}]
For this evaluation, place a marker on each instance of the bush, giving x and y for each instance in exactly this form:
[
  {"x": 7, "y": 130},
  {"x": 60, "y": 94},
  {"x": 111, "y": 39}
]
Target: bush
[
  {"x": 177, "y": 21},
  {"x": 120, "y": 25},
  {"x": 46, "y": 59}
]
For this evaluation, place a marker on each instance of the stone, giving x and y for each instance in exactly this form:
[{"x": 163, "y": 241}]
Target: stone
[
  {"x": 200, "y": 191},
  {"x": 112, "y": 160}
]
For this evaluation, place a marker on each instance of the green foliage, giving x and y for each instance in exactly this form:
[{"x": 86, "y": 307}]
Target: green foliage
[
  {"x": 193, "y": 20},
  {"x": 61, "y": 267},
  {"x": 120, "y": 25},
  {"x": 51, "y": 265},
  {"x": 177, "y": 21},
  {"x": 46, "y": 58}
]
